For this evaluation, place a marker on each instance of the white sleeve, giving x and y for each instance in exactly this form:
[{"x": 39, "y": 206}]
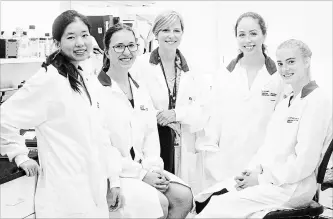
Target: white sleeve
[
  {"x": 151, "y": 147},
  {"x": 115, "y": 166},
  {"x": 195, "y": 112},
  {"x": 151, "y": 143},
  {"x": 212, "y": 130},
  {"x": 26, "y": 109},
  {"x": 312, "y": 133}
]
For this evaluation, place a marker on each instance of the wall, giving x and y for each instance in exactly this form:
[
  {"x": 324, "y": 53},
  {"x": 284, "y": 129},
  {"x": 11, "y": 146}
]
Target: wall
[
  {"x": 24, "y": 13},
  {"x": 285, "y": 20},
  {"x": 209, "y": 39}
]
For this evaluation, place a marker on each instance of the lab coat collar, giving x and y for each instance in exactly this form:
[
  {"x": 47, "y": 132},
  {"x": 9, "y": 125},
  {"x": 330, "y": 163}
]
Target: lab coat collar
[
  {"x": 269, "y": 63},
  {"x": 180, "y": 59},
  {"x": 307, "y": 89},
  {"x": 105, "y": 80}
]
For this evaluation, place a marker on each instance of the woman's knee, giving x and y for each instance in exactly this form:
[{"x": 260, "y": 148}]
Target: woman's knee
[
  {"x": 180, "y": 196},
  {"x": 164, "y": 202}
]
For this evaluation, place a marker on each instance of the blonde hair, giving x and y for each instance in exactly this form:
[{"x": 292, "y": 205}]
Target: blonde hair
[
  {"x": 292, "y": 43},
  {"x": 303, "y": 48},
  {"x": 166, "y": 18}
]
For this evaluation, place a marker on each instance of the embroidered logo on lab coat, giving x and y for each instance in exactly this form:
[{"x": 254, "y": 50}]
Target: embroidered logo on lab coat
[
  {"x": 142, "y": 107},
  {"x": 292, "y": 119},
  {"x": 268, "y": 93}
]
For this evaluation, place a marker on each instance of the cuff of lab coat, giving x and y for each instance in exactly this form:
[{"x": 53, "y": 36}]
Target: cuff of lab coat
[
  {"x": 180, "y": 113},
  {"x": 19, "y": 159},
  {"x": 142, "y": 174},
  {"x": 114, "y": 182}
]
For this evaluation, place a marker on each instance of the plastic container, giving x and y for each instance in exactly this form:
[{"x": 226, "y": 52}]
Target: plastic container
[
  {"x": 42, "y": 45},
  {"x": 23, "y": 50},
  {"x": 33, "y": 42},
  {"x": 48, "y": 44}
]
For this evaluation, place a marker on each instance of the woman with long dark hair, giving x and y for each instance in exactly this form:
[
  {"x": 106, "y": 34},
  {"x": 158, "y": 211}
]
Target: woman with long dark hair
[{"x": 75, "y": 156}]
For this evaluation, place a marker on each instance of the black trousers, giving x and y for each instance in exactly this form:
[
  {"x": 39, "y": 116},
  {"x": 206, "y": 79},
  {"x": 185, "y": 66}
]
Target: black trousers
[
  {"x": 199, "y": 206},
  {"x": 167, "y": 138}
]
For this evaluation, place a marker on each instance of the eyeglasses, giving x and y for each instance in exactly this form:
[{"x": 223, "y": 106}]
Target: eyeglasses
[{"x": 120, "y": 48}]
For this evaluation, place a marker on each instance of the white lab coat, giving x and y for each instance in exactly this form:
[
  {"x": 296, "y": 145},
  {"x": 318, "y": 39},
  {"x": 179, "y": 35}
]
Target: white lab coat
[
  {"x": 238, "y": 121},
  {"x": 74, "y": 150},
  {"x": 133, "y": 127},
  {"x": 297, "y": 137},
  {"x": 191, "y": 111}
]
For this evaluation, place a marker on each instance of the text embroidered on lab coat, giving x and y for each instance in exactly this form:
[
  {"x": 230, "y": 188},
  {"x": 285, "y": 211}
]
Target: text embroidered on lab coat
[
  {"x": 292, "y": 119},
  {"x": 142, "y": 107},
  {"x": 267, "y": 93}
]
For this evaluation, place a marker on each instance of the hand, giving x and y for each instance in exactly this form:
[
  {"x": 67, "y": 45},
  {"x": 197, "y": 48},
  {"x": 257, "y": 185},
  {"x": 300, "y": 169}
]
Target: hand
[
  {"x": 115, "y": 199},
  {"x": 157, "y": 180},
  {"x": 162, "y": 187},
  {"x": 175, "y": 127},
  {"x": 247, "y": 179},
  {"x": 165, "y": 117},
  {"x": 30, "y": 167}
]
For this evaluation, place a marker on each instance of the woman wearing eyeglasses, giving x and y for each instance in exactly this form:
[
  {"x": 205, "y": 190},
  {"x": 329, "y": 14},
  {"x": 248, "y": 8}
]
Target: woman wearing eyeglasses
[
  {"x": 179, "y": 97},
  {"x": 149, "y": 191}
]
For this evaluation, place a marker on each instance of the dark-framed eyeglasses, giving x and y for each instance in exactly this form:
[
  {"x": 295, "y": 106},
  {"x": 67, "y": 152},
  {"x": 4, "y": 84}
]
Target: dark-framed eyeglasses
[{"x": 120, "y": 48}]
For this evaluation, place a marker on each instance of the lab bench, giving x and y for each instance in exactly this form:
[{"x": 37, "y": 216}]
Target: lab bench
[{"x": 17, "y": 191}]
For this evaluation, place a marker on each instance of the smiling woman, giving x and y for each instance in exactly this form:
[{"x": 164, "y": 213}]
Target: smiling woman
[{"x": 77, "y": 162}]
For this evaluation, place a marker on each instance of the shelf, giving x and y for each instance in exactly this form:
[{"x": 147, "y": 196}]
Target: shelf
[{"x": 22, "y": 60}]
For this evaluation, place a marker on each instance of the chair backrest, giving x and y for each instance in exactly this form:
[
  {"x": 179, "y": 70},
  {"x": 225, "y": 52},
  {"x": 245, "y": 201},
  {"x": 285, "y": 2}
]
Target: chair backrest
[{"x": 323, "y": 165}]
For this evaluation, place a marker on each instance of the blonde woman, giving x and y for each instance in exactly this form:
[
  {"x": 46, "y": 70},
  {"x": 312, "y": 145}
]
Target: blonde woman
[
  {"x": 282, "y": 174},
  {"x": 178, "y": 96}
]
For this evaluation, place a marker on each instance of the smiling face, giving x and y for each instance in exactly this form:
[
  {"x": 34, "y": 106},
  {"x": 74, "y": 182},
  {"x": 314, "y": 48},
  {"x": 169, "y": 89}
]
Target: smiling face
[
  {"x": 249, "y": 36},
  {"x": 76, "y": 42},
  {"x": 292, "y": 66},
  {"x": 170, "y": 36},
  {"x": 123, "y": 49}
]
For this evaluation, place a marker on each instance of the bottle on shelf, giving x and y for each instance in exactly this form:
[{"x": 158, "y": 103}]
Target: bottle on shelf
[
  {"x": 42, "y": 45},
  {"x": 48, "y": 44},
  {"x": 23, "y": 49},
  {"x": 33, "y": 42}
]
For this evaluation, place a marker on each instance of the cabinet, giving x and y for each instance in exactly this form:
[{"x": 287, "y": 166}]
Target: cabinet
[{"x": 17, "y": 198}]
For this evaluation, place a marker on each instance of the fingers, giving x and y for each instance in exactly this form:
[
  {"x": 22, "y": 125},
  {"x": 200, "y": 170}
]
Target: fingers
[
  {"x": 38, "y": 171},
  {"x": 26, "y": 170},
  {"x": 166, "y": 177},
  {"x": 239, "y": 178},
  {"x": 118, "y": 203},
  {"x": 30, "y": 167},
  {"x": 159, "y": 116},
  {"x": 162, "y": 188},
  {"x": 246, "y": 173},
  {"x": 113, "y": 202}
]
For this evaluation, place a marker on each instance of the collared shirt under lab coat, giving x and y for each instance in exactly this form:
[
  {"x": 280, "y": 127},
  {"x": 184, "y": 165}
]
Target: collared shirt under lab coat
[
  {"x": 191, "y": 111},
  {"x": 74, "y": 151},
  {"x": 297, "y": 137},
  {"x": 238, "y": 121},
  {"x": 133, "y": 127}
]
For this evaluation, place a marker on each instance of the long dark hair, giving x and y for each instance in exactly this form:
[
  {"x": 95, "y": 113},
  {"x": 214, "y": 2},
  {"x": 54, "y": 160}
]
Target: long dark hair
[
  {"x": 59, "y": 60},
  {"x": 262, "y": 26},
  {"x": 107, "y": 38}
]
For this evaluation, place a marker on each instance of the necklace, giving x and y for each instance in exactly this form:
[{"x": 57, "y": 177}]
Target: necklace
[{"x": 129, "y": 88}]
